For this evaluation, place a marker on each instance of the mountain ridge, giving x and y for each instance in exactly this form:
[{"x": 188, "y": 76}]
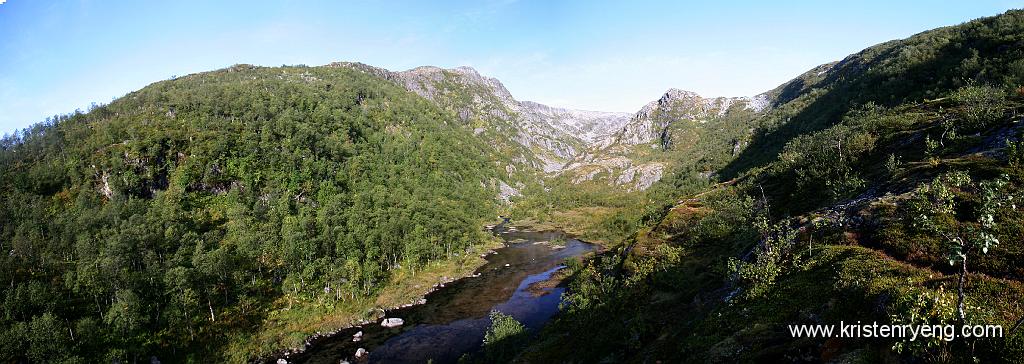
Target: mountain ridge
[
  {"x": 581, "y": 145},
  {"x": 229, "y": 214}
]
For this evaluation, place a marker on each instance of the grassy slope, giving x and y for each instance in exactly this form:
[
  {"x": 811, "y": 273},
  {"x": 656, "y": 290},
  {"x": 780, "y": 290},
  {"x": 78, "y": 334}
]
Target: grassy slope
[{"x": 669, "y": 290}]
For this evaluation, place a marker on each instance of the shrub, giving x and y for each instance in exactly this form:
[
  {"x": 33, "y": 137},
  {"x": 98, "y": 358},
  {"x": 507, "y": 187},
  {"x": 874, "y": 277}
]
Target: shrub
[
  {"x": 503, "y": 338},
  {"x": 980, "y": 106},
  {"x": 758, "y": 276}
]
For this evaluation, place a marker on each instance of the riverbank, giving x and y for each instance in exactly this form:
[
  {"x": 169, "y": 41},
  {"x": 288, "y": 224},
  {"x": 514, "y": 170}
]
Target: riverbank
[
  {"x": 520, "y": 279},
  {"x": 584, "y": 223},
  {"x": 292, "y": 323}
]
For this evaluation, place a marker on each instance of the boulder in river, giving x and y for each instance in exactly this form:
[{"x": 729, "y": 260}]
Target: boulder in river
[
  {"x": 282, "y": 361},
  {"x": 361, "y": 353},
  {"x": 357, "y": 337},
  {"x": 392, "y": 322}
]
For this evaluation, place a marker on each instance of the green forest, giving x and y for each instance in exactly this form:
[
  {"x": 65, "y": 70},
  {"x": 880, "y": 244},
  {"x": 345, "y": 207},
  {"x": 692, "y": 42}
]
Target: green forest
[
  {"x": 194, "y": 219},
  {"x": 183, "y": 212}
]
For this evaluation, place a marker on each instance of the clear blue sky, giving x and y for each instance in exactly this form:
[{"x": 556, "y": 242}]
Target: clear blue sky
[{"x": 56, "y": 56}]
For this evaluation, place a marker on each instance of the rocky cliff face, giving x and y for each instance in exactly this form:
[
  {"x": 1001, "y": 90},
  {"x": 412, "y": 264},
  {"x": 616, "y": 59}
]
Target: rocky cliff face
[
  {"x": 648, "y": 124},
  {"x": 588, "y": 126},
  {"x": 566, "y": 133},
  {"x": 545, "y": 137},
  {"x": 535, "y": 139},
  {"x": 649, "y": 134}
]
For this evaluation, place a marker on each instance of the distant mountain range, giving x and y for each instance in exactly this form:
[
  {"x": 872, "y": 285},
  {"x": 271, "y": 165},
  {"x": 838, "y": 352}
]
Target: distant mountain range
[
  {"x": 581, "y": 145},
  {"x": 230, "y": 214}
]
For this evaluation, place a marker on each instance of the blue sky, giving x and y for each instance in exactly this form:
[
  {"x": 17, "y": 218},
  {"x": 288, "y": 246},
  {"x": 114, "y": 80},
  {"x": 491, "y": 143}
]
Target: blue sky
[{"x": 56, "y": 56}]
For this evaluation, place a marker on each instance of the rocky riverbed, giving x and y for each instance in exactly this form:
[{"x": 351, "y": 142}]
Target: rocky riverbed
[{"x": 451, "y": 321}]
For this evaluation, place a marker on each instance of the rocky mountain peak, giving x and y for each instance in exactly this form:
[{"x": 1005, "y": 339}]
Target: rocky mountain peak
[
  {"x": 675, "y": 104},
  {"x": 466, "y": 70},
  {"x": 673, "y": 94},
  {"x": 672, "y": 98},
  {"x": 423, "y": 80},
  {"x": 553, "y": 139}
]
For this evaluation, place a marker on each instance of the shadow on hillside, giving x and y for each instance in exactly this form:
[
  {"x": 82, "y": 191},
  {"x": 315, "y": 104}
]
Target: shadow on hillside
[{"x": 873, "y": 75}]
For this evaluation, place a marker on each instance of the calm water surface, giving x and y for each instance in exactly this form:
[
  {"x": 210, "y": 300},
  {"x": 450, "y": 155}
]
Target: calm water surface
[{"x": 454, "y": 319}]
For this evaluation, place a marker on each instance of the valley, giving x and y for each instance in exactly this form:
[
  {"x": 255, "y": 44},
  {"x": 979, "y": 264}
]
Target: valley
[
  {"x": 451, "y": 322},
  {"x": 238, "y": 214}
]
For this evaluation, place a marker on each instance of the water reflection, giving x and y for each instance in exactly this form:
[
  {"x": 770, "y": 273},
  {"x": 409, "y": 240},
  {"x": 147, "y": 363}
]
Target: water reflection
[{"x": 454, "y": 319}]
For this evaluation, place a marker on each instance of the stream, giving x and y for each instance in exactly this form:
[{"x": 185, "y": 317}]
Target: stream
[{"x": 454, "y": 318}]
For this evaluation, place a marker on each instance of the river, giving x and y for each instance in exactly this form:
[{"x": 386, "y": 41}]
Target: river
[{"x": 454, "y": 318}]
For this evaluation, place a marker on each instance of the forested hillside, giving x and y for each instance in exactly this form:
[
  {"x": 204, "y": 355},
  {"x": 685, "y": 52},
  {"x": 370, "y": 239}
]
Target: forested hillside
[
  {"x": 881, "y": 188},
  {"x": 177, "y": 218},
  {"x": 228, "y": 215}
]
